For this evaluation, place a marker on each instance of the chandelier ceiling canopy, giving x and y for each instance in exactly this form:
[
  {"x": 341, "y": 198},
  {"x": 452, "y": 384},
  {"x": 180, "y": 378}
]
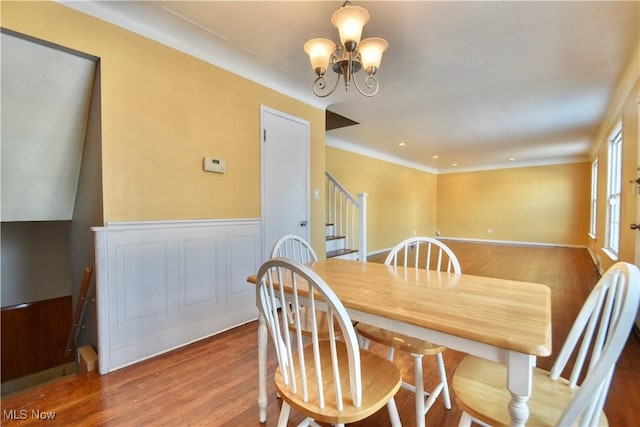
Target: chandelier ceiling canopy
[{"x": 351, "y": 56}]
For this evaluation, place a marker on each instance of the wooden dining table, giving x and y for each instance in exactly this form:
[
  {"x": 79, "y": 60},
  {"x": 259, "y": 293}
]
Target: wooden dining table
[{"x": 501, "y": 320}]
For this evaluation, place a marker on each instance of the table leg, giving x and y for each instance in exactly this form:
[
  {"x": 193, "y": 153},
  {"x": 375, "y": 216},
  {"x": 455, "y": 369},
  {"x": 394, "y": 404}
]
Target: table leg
[
  {"x": 262, "y": 368},
  {"x": 519, "y": 377}
]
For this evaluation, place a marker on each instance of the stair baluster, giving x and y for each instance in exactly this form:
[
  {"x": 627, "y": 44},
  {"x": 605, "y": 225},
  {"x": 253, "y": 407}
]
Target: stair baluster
[{"x": 346, "y": 221}]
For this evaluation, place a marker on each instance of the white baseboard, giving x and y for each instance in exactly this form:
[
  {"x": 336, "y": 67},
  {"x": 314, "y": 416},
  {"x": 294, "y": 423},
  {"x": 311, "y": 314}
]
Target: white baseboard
[
  {"x": 512, "y": 242},
  {"x": 499, "y": 242}
]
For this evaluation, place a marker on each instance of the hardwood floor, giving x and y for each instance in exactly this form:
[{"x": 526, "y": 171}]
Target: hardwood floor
[{"x": 213, "y": 382}]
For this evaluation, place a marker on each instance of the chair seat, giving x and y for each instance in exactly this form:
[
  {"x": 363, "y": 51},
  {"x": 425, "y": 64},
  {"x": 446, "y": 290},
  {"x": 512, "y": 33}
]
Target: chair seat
[
  {"x": 399, "y": 341},
  {"x": 480, "y": 390},
  {"x": 381, "y": 380}
]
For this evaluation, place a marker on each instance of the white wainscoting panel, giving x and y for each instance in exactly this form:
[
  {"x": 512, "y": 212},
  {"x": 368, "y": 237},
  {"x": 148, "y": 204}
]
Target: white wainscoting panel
[{"x": 162, "y": 285}]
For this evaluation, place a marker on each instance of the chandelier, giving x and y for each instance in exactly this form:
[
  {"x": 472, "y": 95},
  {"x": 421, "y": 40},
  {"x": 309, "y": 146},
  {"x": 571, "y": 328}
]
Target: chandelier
[{"x": 356, "y": 55}]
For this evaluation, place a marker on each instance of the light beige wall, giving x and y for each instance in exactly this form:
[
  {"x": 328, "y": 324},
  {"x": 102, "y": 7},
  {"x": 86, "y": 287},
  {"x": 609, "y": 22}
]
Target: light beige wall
[
  {"x": 43, "y": 273},
  {"x": 628, "y": 113},
  {"x": 546, "y": 204},
  {"x": 401, "y": 200},
  {"x": 162, "y": 111}
]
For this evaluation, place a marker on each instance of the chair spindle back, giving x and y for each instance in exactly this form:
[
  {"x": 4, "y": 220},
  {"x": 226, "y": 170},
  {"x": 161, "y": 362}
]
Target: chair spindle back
[
  {"x": 603, "y": 323},
  {"x": 438, "y": 256},
  {"x": 293, "y": 247}
]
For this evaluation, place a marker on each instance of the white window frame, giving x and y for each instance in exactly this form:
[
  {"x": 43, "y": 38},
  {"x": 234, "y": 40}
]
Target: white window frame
[
  {"x": 594, "y": 199},
  {"x": 614, "y": 193}
]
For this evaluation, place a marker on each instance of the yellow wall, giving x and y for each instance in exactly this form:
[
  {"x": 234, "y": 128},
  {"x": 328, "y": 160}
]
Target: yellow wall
[
  {"x": 400, "y": 200},
  {"x": 623, "y": 107},
  {"x": 545, "y": 204},
  {"x": 162, "y": 111}
]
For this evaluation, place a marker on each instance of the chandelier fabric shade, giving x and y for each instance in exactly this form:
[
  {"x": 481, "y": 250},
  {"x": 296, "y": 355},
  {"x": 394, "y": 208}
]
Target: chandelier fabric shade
[{"x": 356, "y": 54}]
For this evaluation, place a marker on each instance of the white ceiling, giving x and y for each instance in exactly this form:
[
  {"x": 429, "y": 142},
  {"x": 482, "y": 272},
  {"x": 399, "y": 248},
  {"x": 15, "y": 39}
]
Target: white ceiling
[{"x": 475, "y": 83}]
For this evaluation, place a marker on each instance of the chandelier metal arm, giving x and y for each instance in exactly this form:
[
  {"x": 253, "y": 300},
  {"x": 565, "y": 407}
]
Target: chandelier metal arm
[
  {"x": 371, "y": 83},
  {"x": 320, "y": 84}
]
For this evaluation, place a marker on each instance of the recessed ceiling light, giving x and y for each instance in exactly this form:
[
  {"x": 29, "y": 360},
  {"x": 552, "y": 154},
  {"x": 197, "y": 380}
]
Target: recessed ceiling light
[
  {"x": 454, "y": 164},
  {"x": 511, "y": 159},
  {"x": 402, "y": 144},
  {"x": 436, "y": 157}
]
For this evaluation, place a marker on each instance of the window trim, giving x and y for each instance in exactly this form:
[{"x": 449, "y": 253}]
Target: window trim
[
  {"x": 614, "y": 192},
  {"x": 593, "y": 224}
]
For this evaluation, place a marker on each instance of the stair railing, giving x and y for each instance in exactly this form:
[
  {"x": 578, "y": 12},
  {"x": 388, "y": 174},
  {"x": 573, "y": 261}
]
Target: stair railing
[
  {"x": 348, "y": 215},
  {"x": 79, "y": 313}
]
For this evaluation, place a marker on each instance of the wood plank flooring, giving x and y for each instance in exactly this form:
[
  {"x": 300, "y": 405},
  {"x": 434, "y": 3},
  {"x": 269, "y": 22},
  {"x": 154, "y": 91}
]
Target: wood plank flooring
[{"x": 213, "y": 382}]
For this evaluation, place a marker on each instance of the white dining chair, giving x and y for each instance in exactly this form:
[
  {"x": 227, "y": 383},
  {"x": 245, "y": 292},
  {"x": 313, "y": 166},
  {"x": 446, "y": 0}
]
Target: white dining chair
[
  {"x": 417, "y": 252},
  {"x": 594, "y": 343},
  {"x": 294, "y": 247},
  {"x": 328, "y": 380}
]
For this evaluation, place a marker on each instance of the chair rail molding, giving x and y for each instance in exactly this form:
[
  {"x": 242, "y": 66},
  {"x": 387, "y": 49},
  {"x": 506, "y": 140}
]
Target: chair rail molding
[{"x": 164, "y": 284}]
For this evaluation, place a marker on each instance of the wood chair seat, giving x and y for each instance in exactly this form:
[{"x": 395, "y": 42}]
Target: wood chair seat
[
  {"x": 381, "y": 380},
  {"x": 480, "y": 390},
  {"x": 399, "y": 341}
]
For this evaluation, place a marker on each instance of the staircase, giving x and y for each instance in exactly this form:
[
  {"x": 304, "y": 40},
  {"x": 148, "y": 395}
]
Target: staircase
[{"x": 346, "y": 222}]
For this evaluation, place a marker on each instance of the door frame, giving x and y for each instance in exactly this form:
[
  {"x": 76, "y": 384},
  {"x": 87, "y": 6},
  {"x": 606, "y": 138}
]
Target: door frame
[
  {"x": 637, "y": 196},
  {"x": 307, "y": 232}
]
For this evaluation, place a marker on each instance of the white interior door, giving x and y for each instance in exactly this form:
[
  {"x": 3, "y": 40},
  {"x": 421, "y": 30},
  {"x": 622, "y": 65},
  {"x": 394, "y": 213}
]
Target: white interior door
[{"x": 285, "y": 177}]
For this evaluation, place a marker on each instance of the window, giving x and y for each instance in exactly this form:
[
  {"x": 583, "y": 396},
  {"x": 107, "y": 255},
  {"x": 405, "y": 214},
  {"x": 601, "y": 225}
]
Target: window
[
  {"x": 594, "y": 198},
  {"x": 614, "y": 178}
]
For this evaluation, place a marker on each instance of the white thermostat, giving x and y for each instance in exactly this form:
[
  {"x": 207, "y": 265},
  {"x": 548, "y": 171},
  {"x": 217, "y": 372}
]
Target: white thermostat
[{"x": 210, "y": 164}]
